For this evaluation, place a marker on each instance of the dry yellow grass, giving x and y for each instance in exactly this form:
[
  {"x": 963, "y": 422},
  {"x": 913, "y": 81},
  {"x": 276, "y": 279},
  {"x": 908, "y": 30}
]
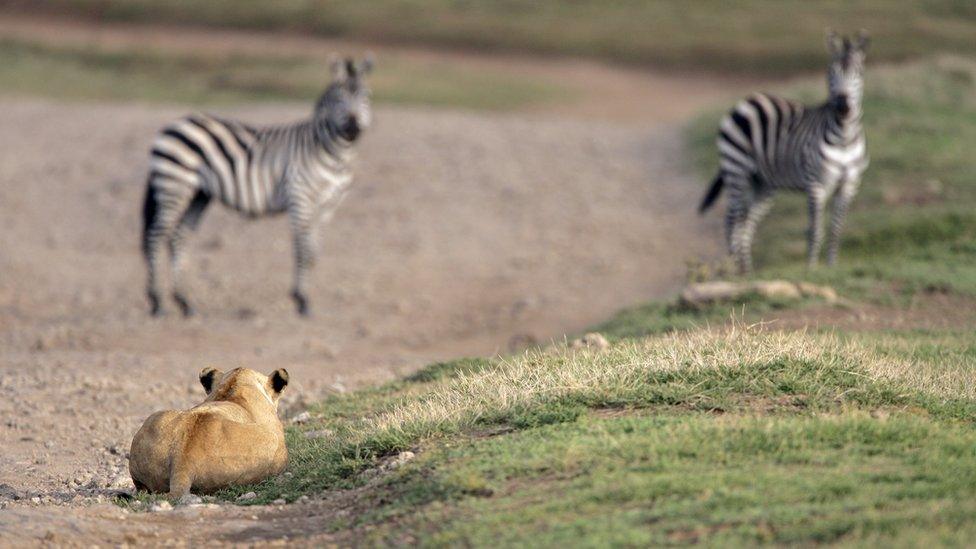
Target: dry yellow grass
[{"x": 541, "y": 376}]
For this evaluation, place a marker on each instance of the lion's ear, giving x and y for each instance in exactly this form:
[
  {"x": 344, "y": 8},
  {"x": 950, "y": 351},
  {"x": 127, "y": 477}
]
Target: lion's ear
[
  {"x": 207, "y": 378},
  {"x": 279, "y": 380}
]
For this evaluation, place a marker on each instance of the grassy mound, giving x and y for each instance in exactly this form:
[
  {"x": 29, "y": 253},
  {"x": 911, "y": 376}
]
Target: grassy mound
[{"x": 735, "y": 436}]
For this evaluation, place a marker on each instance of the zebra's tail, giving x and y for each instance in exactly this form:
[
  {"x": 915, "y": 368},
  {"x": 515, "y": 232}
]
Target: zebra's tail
[
  {"x": 712, "y": 194},
  {"x": 150, "y": 209}
]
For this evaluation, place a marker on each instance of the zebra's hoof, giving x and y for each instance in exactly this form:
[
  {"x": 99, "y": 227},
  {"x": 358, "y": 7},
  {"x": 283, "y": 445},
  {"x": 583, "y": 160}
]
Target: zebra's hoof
[
  {"x": 184, "y": 306},
  {"x": 155, "y": 309},
  {"x": 301, "y": 304}
]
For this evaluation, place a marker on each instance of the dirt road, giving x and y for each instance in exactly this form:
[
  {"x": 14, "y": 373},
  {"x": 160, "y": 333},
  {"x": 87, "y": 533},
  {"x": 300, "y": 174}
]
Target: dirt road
[{"x": 465, "y": 234}]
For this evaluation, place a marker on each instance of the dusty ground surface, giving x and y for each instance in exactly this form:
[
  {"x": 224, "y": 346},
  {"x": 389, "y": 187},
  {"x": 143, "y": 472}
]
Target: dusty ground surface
[{"x": 465, "y": 234}]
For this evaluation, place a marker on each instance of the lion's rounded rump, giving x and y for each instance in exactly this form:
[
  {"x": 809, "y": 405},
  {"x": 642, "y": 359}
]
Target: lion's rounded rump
[{"x": 233, "y": 437}]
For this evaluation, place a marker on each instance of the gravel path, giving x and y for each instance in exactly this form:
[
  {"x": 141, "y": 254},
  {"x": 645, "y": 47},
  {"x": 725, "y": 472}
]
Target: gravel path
[{"x": 465, "y": 234}]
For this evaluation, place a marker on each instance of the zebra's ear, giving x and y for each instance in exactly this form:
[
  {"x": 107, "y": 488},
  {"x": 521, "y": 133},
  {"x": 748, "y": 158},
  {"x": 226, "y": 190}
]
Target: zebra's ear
[
  {"x": 366, "y": 65},
  {"x": 337, "y": 66},
  {"x": 862, "y": 40},
  {"x": 835, "y": 44}
]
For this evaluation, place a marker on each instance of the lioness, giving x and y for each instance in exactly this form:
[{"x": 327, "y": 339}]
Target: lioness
[{"x": 233, "y": 437}]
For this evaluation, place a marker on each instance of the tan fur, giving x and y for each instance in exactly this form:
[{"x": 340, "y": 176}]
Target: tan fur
[{"x": 233, "y": 437}]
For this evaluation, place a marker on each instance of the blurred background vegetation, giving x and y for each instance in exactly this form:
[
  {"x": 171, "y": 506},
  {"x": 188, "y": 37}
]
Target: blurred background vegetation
[
  {"x": 758, "y": 36},
  {"x": 747, "y": 39}
]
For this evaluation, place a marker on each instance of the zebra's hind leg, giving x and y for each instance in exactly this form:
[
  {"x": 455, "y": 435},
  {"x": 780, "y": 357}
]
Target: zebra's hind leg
[
  {"x": 842, "y": 200},
  {"x": 816, "y": 201},
  {"x": 177, "y": 248},
  {"x": 161, "y": 212},
  {"x": 757, "y": 211},
  {"x": 735, "y": 217},
  {"x": 152, "y": 236}
]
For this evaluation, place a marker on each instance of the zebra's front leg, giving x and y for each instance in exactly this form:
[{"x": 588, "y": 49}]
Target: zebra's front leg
[
  {"x": 304, "y": 236},
  {"x": 816, "y": 201},
  {"x": 842, "y": 200}
]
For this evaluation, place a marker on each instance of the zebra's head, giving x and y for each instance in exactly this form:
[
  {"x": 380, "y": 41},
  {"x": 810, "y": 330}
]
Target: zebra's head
[
  {"x": 845, "y": 77},
  {"x": 344, "y": 109}
]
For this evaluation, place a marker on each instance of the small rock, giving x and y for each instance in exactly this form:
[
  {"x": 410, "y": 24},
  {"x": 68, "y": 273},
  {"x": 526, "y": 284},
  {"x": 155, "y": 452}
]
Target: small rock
[
  {"x": 826, "y": 293},
  {"x": 246, "y": 313},
  {"x": 401, "y": 459},
  {"x": 303, "y": 499},
  {"x": 521, "y": 342},
  {"x": 9, "y": 492},
  {"x": 303, "y": 417},
  {"x": 36, "y": 500},
  {"x": 190, "y": 499},
  {"x": 338, "y": 386},
  {"x": 697, "y": 295},
  {"x": 121, "y": 481},
  {"x": 278, "y": 501},
  {"x": 160, "y": 506},
  {"x": 592, "y": 339},
  {"x": 247, "y": 497}
]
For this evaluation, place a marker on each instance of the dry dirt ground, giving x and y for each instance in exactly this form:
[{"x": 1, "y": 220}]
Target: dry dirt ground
[{"x": 465, "y": 234}]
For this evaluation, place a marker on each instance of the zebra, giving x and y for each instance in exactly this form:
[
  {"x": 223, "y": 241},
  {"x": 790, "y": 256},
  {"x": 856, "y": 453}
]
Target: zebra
[
  {"x": 767, "y": 143},
  {"x": 302, "y": 169}
]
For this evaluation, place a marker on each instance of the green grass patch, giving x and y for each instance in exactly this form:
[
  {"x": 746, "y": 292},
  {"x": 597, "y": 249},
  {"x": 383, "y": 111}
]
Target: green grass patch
[
  {"x": 750, "y": 35},
  {"x": 93, "y": 73},
  {"x": 676, "y": 479}
]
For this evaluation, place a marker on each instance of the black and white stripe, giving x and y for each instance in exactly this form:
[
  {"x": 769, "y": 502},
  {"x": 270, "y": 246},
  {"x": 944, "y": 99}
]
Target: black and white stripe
[
  {"x": 301, "y": 169},
  {"x": 767, "y": 143}
]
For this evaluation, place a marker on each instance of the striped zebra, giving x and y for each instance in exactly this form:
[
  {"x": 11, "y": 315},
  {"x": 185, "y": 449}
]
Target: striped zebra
[
  {"x": 302, "y": 169},
  {"x": 767, "y": 143}
]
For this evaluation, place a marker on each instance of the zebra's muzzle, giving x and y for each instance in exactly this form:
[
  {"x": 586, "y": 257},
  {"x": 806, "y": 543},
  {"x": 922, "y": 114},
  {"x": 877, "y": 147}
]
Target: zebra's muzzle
[
  {"x": 351, "y": 130},
  {"x": 843, "y": 105}
]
